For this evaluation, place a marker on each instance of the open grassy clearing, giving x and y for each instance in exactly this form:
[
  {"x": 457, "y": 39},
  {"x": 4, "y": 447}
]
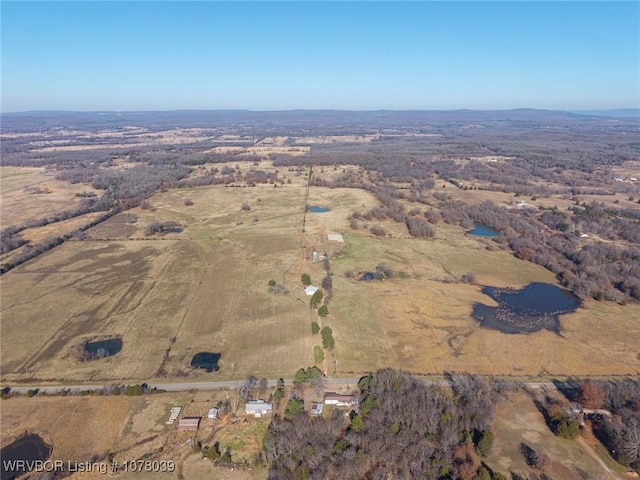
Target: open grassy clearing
[
  {"x": 36, "y": 235},
  {"x": 516, "y": 421},
  {"x": 93, "y": 290},
  {"x": 562, "y": 201},
  {"x": 18, "y": 207},
  {"x": 58, "y": 229},
  {"x": 423, "y": 325}
]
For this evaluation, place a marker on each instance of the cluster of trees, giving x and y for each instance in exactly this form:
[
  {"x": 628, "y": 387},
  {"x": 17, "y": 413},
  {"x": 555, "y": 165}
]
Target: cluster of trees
[
  {"x": 10, "y": 239},
  {"x": 327, "y": 284},
  {"x": 327, "y": 338},
  {"x": 620, "y": 432},
  {"x": 604, "y": 271},
  {"x": 404, "y": 429},
  {"x": 312, "y": 377},
  {"x": 31, "y": 251},
  {"x": 275, "y": 287},
  {"x": 129, "y": 390},
  {"x": 535, "y": 459},
  {"x": 160, "y": 228},
  {"x": 83, "y": 354},
  {"x": 252, "y": 386},
  {"x": 316, "y": 299},
  {"x": 419, "y": 227}
]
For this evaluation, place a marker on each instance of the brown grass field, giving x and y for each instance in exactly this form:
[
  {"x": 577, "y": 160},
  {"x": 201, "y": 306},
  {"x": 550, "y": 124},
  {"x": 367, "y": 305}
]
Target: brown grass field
[
  {"x": 17, "y": 207},
  {"x": 518, "y": 421},
  {"x": 205, "y": 289},
  {"x": 421, "y": 324}
]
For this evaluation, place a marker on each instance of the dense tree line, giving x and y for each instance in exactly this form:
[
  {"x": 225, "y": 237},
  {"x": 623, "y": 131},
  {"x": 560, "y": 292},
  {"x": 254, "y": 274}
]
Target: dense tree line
[{"x": 32, "y": 251}]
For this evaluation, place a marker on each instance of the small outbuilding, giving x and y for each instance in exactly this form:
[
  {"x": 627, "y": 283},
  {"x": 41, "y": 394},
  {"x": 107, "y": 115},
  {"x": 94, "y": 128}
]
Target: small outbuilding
[
  {"x": 310, "y": 290},
  {"x": 213, "y": 413},
  {"x": 316, "y": 408},
  {"x": 189, "y": 424},
  {"x": 257, "y": 408}
]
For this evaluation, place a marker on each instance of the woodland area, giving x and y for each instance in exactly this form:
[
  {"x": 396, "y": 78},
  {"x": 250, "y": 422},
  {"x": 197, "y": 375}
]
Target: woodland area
[
  {"x": 550, "y": 153},
  {"x": 404, "y": 429}
]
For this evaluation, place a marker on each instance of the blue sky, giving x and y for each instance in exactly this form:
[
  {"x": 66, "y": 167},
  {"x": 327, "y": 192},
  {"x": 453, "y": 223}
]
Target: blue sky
[{"x": 335, "y": 55}]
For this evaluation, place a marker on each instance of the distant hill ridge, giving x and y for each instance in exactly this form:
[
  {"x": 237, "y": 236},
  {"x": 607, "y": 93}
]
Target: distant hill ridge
[{"x": 365, "y": 120}]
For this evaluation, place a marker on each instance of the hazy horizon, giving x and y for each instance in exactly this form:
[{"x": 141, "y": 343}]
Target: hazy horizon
[
  {"x": 631, "y": 110},
  {"x": 357, "y": 56}
]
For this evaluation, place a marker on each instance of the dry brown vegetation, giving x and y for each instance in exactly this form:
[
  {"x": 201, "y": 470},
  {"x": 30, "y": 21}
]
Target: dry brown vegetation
[
  {"x": 88, "y": 429},
  {"x": 19, "y": 207},
  {"x": 517, "y": 421},
  {"x": 172, "y": 295},
  {"x": 421, "y": 324}
]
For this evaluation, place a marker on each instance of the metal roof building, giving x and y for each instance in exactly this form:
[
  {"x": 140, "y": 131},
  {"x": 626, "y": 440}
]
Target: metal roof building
[
  {"x": 258, "y": 408},
  {"x": 332, "y": 398},
  {"x": 189, "y": 424}
]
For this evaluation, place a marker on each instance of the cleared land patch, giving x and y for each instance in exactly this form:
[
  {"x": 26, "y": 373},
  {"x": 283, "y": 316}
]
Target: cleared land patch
[{"x": 516, "y": 421}]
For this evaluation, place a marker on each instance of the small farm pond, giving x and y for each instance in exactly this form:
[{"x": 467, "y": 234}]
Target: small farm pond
[
  {"x": 368, "y": 276},
  {"x": 104, "y": 348},
  {"x": 207, "y": 361},
  {"x": 532, "y": 308},
  {"x": 482, "y": 230},
  {"x": 29, "y": 447},
  {"x": 317, "y": 209}
]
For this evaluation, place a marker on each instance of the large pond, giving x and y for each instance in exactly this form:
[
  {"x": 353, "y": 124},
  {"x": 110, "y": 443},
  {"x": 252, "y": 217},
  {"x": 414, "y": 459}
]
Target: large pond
[
  {"x": 534, "y": 307},
  {"x": 104, "y": 348},
  {"x": 482, "y": 230},
  {"x": 29, "y": 447},
  {"x": 206, "y": 360},
  {"x": 317, "y": 209}
]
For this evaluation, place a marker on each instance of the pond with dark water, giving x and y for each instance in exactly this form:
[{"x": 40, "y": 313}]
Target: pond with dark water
[
  {"x": 207, "y": 361},
  {"x": 29, "y": 447},
  {"x": 532, "y": 308},
  {"x": 104, "y": 348},
  {"x": 317, "y": 209},
  {"x": 482, "y": 230},
  {"x": 368, "y": 276}
]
